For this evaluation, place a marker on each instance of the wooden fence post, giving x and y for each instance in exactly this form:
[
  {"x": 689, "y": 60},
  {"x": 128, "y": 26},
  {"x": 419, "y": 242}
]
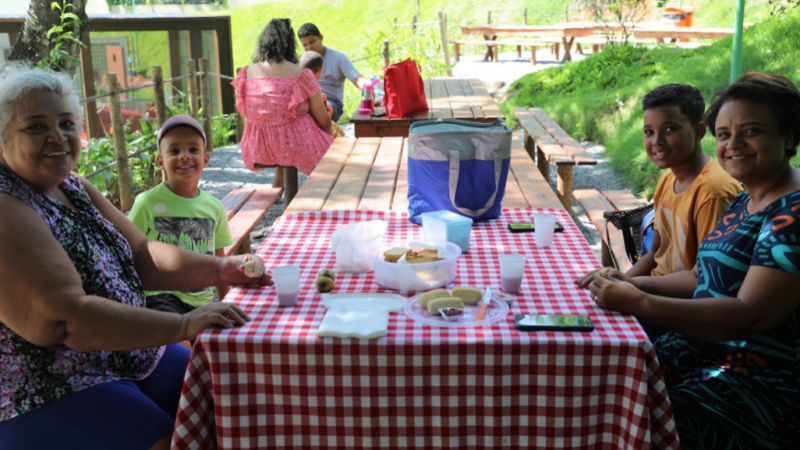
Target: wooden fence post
[
  {"x": 120, "y": 149},
  {"x": 566, "y": 14},
  {"x": 239, "y": 120},
  {"x": 161, "y": 104},
  {"x": 525, "y": 17},
  {"x": 160, "y": 99},
  {"x": 394, "y": 22},
  {"x": 489, "y": 18},
  {"x": 445, "y": 45},
  {"x": 414, "y": 24},
  {"x": 387, "y": 56},
  {"x": 191, "y": 87},
  {"x": 205, "y": 97}
]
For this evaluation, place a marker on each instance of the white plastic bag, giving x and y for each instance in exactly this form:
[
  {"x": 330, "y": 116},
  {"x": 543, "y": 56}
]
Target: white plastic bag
[{"x": 354, "y": 242}]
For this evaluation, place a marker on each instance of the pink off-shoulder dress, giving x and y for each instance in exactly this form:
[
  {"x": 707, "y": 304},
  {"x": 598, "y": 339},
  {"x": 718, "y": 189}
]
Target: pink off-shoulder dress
[{"x": 279, "y": 128}]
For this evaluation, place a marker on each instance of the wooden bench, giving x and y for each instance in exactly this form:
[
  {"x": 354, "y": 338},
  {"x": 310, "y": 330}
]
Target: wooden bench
[
  {"x": 549, "y": 143},
  {"x": 245, "y": 209},
  {"x": 494, "y": 45},
  {"x": 595, "y": 204}
]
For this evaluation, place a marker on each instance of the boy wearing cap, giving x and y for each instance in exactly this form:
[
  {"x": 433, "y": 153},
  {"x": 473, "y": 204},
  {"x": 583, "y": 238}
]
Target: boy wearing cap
[{"x": 179, "y": 213}]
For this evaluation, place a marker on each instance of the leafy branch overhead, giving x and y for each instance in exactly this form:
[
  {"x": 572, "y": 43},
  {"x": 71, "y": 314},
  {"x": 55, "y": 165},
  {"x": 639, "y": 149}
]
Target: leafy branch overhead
[{"x": 51, "y": 35}]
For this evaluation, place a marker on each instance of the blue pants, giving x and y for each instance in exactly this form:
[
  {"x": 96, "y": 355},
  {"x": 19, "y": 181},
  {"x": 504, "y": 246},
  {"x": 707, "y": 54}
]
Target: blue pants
[
  {"x": 338, "y": 108},
  {"x": 116, "y": 415}
]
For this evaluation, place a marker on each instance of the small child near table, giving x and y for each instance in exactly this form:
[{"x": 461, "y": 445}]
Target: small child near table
[
  {"x": 314, "y": 62},
  {"x": 178, "y": 212}
]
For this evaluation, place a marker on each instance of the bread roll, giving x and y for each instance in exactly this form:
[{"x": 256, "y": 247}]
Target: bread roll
[
  {"x": 254, "y": 268},
  {"x": 423, "y": 299},
  {"x": 448, "y": 302},
  {"x": 468, "y": 295}
]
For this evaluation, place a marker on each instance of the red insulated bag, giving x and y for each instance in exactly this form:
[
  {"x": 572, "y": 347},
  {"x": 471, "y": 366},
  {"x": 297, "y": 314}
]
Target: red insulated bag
[{"x": 405, "y": 93}]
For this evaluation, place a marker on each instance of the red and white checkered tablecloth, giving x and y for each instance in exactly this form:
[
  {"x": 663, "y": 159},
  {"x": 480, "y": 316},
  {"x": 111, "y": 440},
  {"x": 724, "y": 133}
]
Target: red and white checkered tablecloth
[{"x": 274, "y": 383}]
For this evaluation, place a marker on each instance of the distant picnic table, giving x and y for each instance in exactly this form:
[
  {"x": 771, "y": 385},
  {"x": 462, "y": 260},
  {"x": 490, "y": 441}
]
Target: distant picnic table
[
  {"x": 567, "y": 32},
  {"x": 661, "y": 34},
  {"x": 448, "y": 98}
]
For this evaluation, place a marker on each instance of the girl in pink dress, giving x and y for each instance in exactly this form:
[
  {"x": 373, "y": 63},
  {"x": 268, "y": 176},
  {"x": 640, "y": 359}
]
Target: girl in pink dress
[{"x": 287, "y": 124}]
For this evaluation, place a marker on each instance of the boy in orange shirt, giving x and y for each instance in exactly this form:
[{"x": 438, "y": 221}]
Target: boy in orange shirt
[{"x": 690, "y": 197}]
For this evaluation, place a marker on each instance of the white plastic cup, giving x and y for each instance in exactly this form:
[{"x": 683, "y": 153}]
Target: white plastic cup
[
  {"x": 287, "y": 284},
  {"x": 512, "y": 270},
  {"x": 545, "y": 227}
]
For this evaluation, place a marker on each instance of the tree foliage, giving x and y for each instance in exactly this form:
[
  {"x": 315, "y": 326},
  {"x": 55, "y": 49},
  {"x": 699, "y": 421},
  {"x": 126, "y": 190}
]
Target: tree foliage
[
  {"x": 619, "y": 16},
  {"x": 51, "y": 35}
]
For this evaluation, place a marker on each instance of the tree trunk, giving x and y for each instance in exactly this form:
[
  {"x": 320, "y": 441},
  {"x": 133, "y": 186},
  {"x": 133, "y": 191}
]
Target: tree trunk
[{"x": 32, "y": 44}]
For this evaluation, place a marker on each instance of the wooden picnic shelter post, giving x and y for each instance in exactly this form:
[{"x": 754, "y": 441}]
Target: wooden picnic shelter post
[
  {"x": 205, "y": 99},
  {"x": 191, "y": 87},
  {"x": 92, "y": 119},
  {"x": 445, "y": 46},
  {"x": 174, "y": 52},
  {"x": 120, "y": 150},
  {"x": 161, "y": 103}
]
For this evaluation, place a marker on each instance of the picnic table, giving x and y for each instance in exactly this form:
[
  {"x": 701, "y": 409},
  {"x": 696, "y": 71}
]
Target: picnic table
[
  {"x": 660, "y": 34},
  {"x": 273, "y": 383},
  {"x": 370, "y": 174},
  {"x": 567, "y": 32},
  {"x": 448, "y": 98}
]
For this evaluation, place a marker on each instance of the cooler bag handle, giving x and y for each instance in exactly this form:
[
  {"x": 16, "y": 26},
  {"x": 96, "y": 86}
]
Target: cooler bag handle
[{"x": 455, "y": 166}]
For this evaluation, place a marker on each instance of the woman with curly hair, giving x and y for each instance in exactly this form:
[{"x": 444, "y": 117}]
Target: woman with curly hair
[{"x": 287, "y": 123}]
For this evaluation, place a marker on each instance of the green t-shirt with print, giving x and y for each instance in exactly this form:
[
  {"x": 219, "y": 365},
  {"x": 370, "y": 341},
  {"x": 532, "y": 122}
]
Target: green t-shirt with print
[{"x": 197, "y": 224}]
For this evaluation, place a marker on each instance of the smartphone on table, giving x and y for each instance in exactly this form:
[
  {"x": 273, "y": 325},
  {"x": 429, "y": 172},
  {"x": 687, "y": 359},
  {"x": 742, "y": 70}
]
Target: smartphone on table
[
  {"x": 519, "y": 227},
  {"x": 538, "y": 322}
]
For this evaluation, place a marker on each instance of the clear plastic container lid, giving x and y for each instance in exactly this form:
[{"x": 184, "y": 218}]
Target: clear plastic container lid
[{"x": 447, "y": 217}]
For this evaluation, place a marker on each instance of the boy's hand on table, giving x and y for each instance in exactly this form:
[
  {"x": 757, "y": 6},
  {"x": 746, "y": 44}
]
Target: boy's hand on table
[{"x": 236, "y": 270}]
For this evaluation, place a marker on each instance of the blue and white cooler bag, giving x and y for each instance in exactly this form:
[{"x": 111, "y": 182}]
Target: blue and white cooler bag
[{"x": 457, "y": 166}]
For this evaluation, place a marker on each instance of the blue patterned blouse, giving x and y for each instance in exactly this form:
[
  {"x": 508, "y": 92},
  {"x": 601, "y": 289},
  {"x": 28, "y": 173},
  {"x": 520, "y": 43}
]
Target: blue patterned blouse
[
  {"x": 768, "y": 238},
  {"x": 32, "y": 376}
]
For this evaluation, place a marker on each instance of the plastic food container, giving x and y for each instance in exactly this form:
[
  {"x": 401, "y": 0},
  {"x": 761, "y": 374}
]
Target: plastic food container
[
  {"x": 353, "y": 243},
  {"x": 447, "y": 226},
  {"x": 416, "y": 277}
]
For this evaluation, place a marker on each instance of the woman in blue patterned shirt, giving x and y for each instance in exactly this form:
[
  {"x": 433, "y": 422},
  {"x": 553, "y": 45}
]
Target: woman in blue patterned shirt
[
  {"x": 82, "y": 363},
  {"x": 732, "y": 357}
]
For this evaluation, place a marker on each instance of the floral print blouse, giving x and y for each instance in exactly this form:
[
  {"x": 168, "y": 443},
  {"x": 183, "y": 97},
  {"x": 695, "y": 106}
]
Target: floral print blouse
[{"x": 32, "y": 376}]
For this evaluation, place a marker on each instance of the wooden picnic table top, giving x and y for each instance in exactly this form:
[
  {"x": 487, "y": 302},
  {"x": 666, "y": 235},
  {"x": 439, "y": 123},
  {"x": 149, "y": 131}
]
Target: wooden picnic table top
[
  {"x": 448, "y": 98},
  {"x": 563, "y": 30},
  {"x": 681, "y": 32},
  {"x": 370, "y": 174}
]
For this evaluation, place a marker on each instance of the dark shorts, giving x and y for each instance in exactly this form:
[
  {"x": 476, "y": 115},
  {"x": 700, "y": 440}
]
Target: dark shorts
[
  {"x": 115, "y": 415},
  {"x": 168, "y": 303},
  {"x": 338, "y": 108}
]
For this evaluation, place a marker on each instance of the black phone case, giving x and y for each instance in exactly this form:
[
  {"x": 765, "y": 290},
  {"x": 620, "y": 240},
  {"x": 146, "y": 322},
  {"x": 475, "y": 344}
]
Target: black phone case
[
  {"x": 524, "y": 227},
  {"x": 552, "y": 328}
]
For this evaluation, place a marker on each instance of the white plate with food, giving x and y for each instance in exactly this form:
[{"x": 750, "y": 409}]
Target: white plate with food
[{"x": 425, "y": 311}]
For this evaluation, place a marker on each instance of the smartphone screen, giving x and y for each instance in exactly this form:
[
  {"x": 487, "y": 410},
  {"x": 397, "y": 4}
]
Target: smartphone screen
[
  {"x": 535, "y": 322},
  {"x": 519, "y": 227}
]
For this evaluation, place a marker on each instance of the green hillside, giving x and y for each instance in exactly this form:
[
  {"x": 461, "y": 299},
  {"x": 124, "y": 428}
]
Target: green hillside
[{"x": 599, "y": 98}]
